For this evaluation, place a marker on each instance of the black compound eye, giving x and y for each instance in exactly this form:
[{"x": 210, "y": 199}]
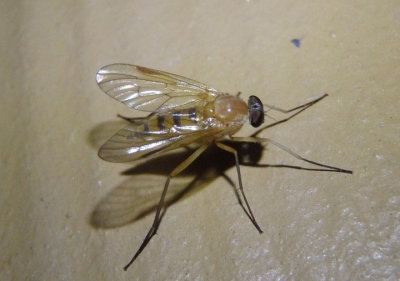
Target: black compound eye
[{"x": 256, "y": 111}]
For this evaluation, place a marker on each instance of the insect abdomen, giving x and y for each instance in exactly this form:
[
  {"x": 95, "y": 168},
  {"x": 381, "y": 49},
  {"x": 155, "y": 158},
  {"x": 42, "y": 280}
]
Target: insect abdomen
[{"x": 178, "y": 121}]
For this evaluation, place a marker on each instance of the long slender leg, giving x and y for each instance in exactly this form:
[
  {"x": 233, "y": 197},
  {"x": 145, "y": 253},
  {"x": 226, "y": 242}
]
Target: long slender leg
[
  {"x": 300, "y": 109},
  {"x": 234, "y": 152},
  {"x": 286, "y": 149},
  {"x": 157, "y": 217}
]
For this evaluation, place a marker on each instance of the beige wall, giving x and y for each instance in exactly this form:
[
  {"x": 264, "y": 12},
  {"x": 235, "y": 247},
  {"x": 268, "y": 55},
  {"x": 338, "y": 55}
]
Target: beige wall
[{"x": 317, "y": 226}]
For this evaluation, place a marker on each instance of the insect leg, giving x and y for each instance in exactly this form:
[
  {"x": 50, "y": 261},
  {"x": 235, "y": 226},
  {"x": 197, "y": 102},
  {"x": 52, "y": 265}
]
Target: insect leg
[
  {"x": 157, "y": 217},
  {"x": 286, "y": 149},
  {"x": 299, "y": 109},
  {"x": 234, "y": 152}
]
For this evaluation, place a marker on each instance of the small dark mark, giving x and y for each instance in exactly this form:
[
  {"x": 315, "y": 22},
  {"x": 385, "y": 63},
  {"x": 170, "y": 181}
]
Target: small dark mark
[
  {"x": 296, "y": 42},
  {"x": 160, "y": 120},
  {"x": 192, "y": 114},
  {"x": 177, "y": 119},
  {"x": 146, "y": 127}
]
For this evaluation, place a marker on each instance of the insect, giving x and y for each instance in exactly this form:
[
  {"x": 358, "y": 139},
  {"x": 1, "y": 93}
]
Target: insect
[{"x": 182, "y": 113}]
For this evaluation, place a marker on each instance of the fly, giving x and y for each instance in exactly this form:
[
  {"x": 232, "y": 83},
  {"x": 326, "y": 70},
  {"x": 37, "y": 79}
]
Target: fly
[{"x": 182, "y": 112}]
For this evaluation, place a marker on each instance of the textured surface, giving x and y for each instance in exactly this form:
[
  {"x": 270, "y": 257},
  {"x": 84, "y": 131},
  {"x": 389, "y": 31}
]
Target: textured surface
[{"x": 317, "y": 226}]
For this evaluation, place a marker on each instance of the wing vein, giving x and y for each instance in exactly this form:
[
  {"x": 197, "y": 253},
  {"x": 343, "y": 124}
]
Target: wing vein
[{"x": 151, "y": 90}]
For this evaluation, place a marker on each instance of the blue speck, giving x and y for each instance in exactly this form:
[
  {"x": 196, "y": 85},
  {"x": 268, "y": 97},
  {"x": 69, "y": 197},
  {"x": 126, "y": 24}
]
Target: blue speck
[{"x": 296, "y": 42}]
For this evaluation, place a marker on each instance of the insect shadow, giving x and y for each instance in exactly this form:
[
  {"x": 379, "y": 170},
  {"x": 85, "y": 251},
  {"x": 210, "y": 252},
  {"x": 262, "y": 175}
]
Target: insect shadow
[{"x": 139, "y": 195}]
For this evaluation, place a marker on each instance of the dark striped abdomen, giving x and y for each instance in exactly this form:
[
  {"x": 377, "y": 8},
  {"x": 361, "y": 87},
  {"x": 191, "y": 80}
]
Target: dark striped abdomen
[{"x": 178, "y": 121}]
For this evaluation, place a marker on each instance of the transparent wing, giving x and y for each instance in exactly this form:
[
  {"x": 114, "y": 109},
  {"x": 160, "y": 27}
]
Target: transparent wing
[
  {"x": 130, "y": 143},
  {"x": 135, "y": 198},
  {"x": 152, "y": 90}
]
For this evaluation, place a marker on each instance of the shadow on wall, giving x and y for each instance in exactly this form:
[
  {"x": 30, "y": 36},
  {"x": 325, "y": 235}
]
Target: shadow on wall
[{"x": 139, "y": 195}]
